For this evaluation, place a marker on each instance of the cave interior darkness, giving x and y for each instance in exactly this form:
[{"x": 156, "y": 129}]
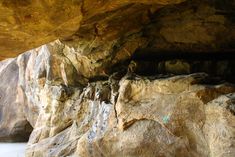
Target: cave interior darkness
[{"x": 219, "y": 65}]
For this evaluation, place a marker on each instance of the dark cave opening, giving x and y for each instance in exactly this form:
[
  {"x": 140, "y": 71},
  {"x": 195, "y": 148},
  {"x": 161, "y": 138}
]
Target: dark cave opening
[
  {"x": 19, "y": 133},
  {"x": 219, "y": 65}
]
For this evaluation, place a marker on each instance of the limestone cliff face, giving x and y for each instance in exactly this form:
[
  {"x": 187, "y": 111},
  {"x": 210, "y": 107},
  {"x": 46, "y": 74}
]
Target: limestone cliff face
[{"x": 102, "y": 89}]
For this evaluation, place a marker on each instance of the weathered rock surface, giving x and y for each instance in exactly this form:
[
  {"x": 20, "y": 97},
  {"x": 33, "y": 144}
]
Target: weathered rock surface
[
  {"x": 121, "y": 115},
  {"x": 84, "y": 96},
  {"x": 27, "y": 24},
  {"x": 174, "y": 116},
  {"x": 187, "y": 25},
  {"x": 13, "y": 123}
]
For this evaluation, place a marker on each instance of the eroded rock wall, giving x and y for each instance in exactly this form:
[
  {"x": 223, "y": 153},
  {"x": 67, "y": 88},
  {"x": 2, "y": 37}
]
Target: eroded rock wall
[
  {"x": 85, "y": 96},
  {"x": 144, "y": 117},
  {"x": 121, "y": 114}
]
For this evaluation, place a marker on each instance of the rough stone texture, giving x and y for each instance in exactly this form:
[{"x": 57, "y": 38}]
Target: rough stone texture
[
  {"x": 119, "y": 116},
  {"x": 83, "y": 96},
  {"x": 190, "y": 25},
  {"x": 174, "y": 116},
  {"x": 27, "y": 24},
  {"x": 195, "y": 26}
]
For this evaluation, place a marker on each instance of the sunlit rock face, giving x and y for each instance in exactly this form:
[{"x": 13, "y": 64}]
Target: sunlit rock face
[
  {"x": 137, "y": 117},
  {"x": 120, "y": 114},
  {"x": 103, "y": 90}
]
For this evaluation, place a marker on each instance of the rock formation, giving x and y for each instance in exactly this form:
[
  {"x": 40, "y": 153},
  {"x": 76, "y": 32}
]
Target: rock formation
[
  {"x": 108, "y": 87},
  {"x": 14, "y": 125},
  {"x": 26, "y": 24}
]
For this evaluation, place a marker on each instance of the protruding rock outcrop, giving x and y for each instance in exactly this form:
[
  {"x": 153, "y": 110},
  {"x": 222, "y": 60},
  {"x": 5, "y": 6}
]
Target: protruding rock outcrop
[
  {"x": 143, "y": 117},
  {"x": 27, "y": 24},
  {"x": 118, "y": 115},
  {"x": 102, "y": 90}
]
